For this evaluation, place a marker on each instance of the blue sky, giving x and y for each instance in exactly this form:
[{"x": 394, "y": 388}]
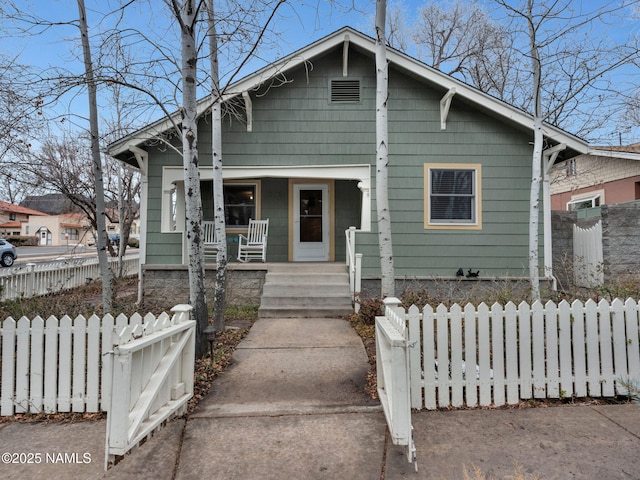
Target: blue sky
[{"x": 300, "y": 23}]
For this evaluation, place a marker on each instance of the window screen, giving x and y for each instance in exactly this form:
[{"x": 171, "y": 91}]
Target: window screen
[{"x": 452, "y": 195}]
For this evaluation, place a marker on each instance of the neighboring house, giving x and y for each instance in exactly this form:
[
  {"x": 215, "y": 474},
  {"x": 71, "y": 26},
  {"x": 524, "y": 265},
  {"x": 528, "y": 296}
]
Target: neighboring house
[
  {"x": 70, "y": 223},
  {"x": 54, "y": 230},
  {"x": 57, "y": 230},
  {"x": 15, "y": 218},
  {"x": 299, "y": 148},
  {"x": 604, "y": 176}
]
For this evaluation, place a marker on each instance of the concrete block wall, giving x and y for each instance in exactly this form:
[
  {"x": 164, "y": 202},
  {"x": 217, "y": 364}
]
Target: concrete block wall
[
  {"x": 562, "y": 223},
  {"x": 620, "y": 242}
]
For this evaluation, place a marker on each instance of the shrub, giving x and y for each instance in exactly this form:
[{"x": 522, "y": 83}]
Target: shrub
[
  {"x": 23, "y": 241},
  {"x": 133, "y": 242},
  {"x": 370, "y": 307}
]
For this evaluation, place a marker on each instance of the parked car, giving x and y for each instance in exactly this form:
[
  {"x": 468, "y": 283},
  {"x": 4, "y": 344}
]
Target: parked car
[
  {"x": 114, "y": 238},
  {"x": 8, "y": 253}
]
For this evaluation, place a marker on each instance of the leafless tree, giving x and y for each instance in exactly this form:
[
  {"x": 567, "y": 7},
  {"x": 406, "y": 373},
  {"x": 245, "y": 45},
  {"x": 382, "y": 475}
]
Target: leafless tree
[
  {"x": 397, "y": 30},
  {"x": 216, "y": 153},
  {"x": 123, "y": 182},
  {"x": 20, "y": 122},
  {"x": 460, "y": 38},
  {"x": 186, "y": 13},
  {"x": 382, "y": 154},
  {"x": 565, "y": 64},
  {"x": 96, "y": 160}
]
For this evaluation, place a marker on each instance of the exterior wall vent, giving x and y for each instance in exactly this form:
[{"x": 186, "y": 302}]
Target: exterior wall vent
[{"x": 344, "y": 91}]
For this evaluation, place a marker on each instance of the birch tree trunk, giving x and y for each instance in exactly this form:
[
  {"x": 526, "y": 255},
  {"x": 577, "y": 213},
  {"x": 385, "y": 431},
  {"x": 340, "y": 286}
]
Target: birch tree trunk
[
  {"x": 382, "y": 155},
  {"x": 218, "y": 192},
  {"x": 536, "y": 163},
  {"x": 105, "y": 271},
  {"x": 187, "y": 14}
]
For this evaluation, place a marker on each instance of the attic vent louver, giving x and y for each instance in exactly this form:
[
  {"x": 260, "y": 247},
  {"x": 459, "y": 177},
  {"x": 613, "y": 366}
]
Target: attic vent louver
[{"x": 345, "y": 91}]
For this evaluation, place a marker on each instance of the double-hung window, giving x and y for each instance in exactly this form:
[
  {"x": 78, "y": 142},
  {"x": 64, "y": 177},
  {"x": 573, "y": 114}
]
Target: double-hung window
[{"x": 452, "y": 196}]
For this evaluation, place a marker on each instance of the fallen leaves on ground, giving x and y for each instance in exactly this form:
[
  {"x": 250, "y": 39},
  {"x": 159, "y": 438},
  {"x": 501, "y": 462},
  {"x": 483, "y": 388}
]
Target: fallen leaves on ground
[{"x": 207, "y": 369}]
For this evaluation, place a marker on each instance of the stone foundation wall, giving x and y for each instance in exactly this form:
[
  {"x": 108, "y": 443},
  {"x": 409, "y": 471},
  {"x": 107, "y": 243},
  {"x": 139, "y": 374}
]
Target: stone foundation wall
[{"x": 244, "y": 283}]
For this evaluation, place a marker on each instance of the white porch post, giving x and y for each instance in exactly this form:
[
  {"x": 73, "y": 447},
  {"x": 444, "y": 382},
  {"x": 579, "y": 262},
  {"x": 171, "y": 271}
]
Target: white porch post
[
  {"x": 142, "y": 157},
  {"x": 549, "y": 157}
]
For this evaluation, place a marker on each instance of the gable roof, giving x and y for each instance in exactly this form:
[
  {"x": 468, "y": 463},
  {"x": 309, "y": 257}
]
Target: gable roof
[
  {"x": 627, "y": 152},
  {"x": 12, "y": 208},
  {"x": 363, "y": 43}
]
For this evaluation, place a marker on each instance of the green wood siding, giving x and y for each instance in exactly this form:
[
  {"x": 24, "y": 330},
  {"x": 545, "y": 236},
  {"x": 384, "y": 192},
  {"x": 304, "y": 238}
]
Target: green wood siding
[
  {"x": 162, "y": 248},
  {"x": 295, "y": 124}
]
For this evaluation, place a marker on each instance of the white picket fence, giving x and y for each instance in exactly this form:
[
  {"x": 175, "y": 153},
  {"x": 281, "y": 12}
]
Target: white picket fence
[
  {"x": 500, "y": 355},
  {"x": 588, "y": 260},
  {"x": 51, "y": 366},
  {"x": 32, "y": 279}
]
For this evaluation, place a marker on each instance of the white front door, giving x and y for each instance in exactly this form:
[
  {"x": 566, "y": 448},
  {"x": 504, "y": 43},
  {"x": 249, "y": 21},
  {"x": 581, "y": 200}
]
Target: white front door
[{"x": 311, "y": 222}]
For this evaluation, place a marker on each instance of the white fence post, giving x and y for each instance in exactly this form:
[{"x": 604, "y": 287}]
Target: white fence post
[{"x": 31, "y": 280}]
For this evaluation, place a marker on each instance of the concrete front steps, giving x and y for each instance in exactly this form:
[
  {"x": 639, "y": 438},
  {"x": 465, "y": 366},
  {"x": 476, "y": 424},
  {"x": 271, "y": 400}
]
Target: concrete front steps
[{"x": 306, "y": 290}]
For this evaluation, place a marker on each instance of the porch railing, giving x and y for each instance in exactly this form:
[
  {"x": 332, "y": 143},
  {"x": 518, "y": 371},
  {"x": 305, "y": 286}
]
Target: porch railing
[{"x": 354, "y": 265}]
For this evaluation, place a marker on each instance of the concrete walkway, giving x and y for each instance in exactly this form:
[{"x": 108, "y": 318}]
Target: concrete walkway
[{"x": 292, "y": 407}]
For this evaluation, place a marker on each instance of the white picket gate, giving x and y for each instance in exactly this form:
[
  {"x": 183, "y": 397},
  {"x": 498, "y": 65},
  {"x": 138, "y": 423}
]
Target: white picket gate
[
  {"x": 393, "y": 381},
  {"x": 500, "y": 355},
  {"x": 152, "y": 374},
  {"x": 588, "y": 260}
]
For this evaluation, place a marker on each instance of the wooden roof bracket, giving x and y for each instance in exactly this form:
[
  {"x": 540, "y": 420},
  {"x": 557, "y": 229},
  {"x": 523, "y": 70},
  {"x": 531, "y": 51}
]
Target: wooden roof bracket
[
  {"x": 345, "y": 56},
  {"x": 249, "y": 108},
  {"x": 445, "y": 104},
  {"x": 550, "y": 155}
]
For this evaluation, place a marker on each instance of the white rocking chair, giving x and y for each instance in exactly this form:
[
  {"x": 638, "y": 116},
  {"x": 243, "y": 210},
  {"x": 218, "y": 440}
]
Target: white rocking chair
[
  {"x": 254, "y": 244},
  {"x": 210, "y": 241}
]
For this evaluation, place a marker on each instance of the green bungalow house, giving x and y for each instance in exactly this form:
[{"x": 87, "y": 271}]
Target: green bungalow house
[{"x": 303, "y": 133}]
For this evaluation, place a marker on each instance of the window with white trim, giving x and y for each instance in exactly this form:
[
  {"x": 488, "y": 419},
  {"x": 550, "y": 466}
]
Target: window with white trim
[
  {"x": 585, "y": 202},
  {"x": 452, "y": 195}
]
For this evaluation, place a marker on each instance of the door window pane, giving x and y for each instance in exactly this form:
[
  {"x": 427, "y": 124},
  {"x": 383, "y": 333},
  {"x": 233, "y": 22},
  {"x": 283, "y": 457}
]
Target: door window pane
[{"x": 311, "y": 215}]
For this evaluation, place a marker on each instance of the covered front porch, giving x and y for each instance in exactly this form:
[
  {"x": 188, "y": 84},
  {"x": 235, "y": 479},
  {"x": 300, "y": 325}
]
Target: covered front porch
[{"x": 309, "y": 208}]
